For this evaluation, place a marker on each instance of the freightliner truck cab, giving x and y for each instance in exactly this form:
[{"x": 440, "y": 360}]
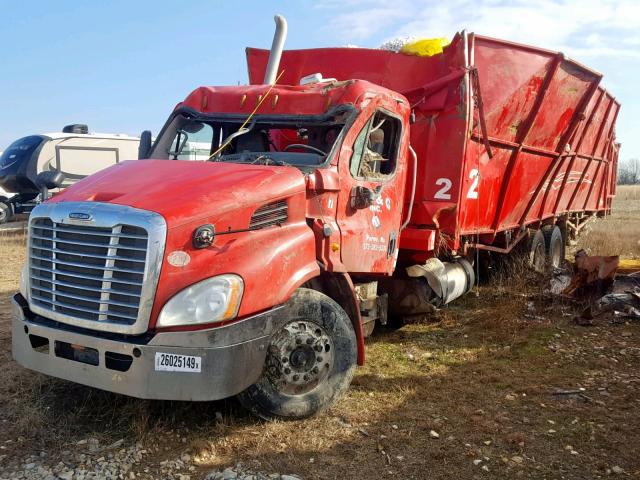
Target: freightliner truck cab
[{"x": 233, "y": 275}]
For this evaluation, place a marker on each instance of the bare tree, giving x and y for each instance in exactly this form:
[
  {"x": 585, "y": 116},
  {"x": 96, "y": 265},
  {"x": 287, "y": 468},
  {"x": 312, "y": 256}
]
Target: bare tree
[{"x": 629, "y": 172}]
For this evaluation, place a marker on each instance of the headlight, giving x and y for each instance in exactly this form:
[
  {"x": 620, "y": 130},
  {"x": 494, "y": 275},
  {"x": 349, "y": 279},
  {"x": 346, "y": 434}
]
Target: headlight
[
  {"x": 212, "y": 300},
  {"x": 24, "y": 280}
]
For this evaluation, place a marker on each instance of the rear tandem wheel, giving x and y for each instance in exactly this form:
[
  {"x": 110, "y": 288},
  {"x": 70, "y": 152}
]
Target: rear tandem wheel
[
  {"x": 538, "y": 252},
  {"x": 555, "y": 245}
]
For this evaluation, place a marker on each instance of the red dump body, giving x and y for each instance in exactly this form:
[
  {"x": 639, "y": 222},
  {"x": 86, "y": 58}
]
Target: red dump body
[{"x": 548, "y": 125}]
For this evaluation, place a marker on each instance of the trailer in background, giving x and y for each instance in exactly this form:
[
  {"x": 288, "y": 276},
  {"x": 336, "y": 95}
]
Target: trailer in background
[{"x": 74, "y": 152}]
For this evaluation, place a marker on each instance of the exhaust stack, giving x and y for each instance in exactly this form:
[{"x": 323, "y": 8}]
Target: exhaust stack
[{"x": 276, "y": 50}]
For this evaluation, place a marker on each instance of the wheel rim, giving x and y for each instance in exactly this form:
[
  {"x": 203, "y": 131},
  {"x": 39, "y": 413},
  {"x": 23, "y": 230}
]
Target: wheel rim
[{"x": 300, "y": 356}]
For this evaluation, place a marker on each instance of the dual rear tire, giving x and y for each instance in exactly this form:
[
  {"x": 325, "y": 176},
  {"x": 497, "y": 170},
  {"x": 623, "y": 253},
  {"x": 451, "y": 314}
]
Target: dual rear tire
[
  {"x": 546, "y": 249},
  {"x": 555, "y": 246}
]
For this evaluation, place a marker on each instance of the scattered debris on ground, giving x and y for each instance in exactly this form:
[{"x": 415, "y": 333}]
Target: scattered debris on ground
[{"x": 604, "y": 294}]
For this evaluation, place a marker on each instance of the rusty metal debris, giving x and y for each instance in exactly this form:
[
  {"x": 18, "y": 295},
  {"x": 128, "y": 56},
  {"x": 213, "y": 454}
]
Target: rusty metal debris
[
  {"x": 598, "y": 281},
  {"x": 592, "y": 275}
]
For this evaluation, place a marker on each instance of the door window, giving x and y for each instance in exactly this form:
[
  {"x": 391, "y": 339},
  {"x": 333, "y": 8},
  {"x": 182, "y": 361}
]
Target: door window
[{"x": 375, "y": 150}]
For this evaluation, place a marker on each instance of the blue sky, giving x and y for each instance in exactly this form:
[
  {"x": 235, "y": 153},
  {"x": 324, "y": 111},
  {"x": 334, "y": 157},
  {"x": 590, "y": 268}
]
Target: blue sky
[{"x": 121, "y": 66}]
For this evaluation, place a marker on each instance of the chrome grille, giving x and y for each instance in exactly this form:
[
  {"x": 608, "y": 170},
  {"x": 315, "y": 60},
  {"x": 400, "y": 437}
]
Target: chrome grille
[
  {"x": 100, "y": 274},
  {"x": 89, "y": 272},
  {"x": 275, "y": 213}
]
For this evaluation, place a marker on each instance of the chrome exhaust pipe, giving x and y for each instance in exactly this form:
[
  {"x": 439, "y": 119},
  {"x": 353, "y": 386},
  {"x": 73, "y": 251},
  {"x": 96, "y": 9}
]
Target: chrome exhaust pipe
[{"x": 277, "y": 46}]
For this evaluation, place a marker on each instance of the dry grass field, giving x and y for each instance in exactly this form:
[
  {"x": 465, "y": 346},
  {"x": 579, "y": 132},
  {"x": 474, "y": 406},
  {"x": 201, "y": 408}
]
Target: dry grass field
[
  {"x": 501, "y": 384},
  {"x": 620, "y": 233}
]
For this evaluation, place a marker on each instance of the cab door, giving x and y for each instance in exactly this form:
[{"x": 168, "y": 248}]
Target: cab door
[{"x": 371, "y": 198}]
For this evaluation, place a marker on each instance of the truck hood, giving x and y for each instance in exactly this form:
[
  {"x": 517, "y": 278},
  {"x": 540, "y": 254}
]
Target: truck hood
[{"x": 184, "y": 191}]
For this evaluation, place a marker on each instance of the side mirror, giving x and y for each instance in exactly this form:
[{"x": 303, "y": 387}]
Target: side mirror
[
  {"x": 363, "y": 197},
  {"x": 48, "y": 180},
  {"x": 144, "y": 149}
]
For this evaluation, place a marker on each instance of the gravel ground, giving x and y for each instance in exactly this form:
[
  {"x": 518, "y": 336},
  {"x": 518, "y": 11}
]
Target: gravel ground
[
  {"x": 115, "y": 461},
  {"x": 89, "y": 460}
]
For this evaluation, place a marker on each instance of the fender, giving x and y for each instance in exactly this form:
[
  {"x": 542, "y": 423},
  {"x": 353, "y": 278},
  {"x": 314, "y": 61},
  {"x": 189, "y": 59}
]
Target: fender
[
  {"x": 272, "y": 262},
  {"x": 340, "y": 288}
]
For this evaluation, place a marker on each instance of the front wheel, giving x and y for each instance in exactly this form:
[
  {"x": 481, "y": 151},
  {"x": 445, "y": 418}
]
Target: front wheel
[{"x": 310, "y": 360}]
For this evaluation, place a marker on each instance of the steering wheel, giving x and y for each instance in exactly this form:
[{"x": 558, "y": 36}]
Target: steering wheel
[{"x": 304, "y": 146}]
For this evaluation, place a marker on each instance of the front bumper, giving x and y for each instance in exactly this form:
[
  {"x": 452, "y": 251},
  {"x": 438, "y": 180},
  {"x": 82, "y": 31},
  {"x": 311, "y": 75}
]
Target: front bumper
[{"x": 233, "y": 357}]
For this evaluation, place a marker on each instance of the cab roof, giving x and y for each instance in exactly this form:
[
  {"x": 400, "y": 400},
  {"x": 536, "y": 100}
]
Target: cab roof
[{"x": 310, "y": 99}]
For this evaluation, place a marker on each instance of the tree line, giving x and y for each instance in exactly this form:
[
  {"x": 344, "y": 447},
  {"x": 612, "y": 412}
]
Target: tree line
[{"x": 629, "y": 172}]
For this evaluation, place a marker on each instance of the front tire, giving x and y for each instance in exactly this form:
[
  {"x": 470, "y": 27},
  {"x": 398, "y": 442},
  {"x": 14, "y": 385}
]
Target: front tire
[{"x": 310, "y": 360}]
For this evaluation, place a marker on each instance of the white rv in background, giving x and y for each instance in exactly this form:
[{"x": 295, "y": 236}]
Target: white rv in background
[{"x": 74, "y": 152}]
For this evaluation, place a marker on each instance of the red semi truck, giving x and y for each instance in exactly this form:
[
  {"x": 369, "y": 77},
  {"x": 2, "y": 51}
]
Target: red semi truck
[{"x": 342, "y": 188}]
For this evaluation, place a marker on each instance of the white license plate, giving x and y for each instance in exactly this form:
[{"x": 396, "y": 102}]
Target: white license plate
[{"x": 171, "y": 362}]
